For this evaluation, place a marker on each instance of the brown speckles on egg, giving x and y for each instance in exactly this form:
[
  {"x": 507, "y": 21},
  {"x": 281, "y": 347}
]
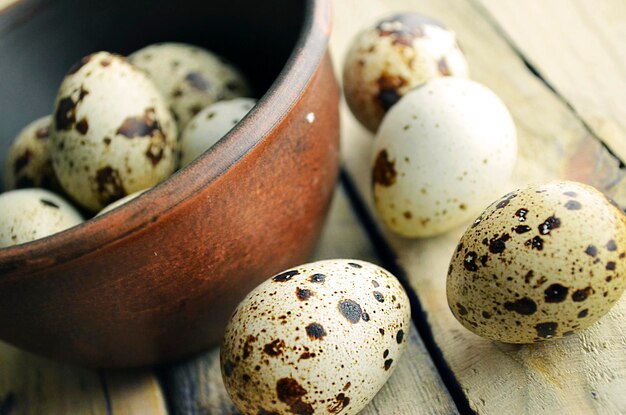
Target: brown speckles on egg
[
  {"x": 378, "y": 296},
  {"x": 354, "y": 265},
  {"x": 556, "y": 277},
  {"x": 388, "y": 364},
  {"x": 339, "y": 404},
  {"x": 582, "y": 294},
  {"x": 142, "y": 126},
  {"x": 65, "y": 114},
  {"x": 573, "y": 205},
  {"x": 315, "y": 331},
  {"x": 317, "y": 278},
  {"x": 535, "y": 243},
  {"x": 546, "y": 330},
  {"x": 289, "y": 391},
  {"x": 82, "y": 126},
  {"x": 197, "y": 81},
  {"x": 285, "y": 276},
  {"x": 591, "y": 250},
  {"x": 384, "y": 173},
  {"x": 109, "y": 185},
  {"x": 275, "y": 348},
  {"x": 549, "y": 224},
  {"x": 469, "y": 262},
  {"x": 300, "y": 354},
  {"x": 248, "y": 346},
  {"x": 506, "y": 200},
  {"x": 497, "y": 245},
  {"x": 520, "y": 229},
  {"x": 388, "y": 87},
  {"x": 303, "y": 294},
  {"x": 611, "y": 246},
  {"x": 524, "y": 306},
  {"x": 49, "y": 203},
  {"x": 350, "y": 310},
  {"x": 555, "y": 293}
]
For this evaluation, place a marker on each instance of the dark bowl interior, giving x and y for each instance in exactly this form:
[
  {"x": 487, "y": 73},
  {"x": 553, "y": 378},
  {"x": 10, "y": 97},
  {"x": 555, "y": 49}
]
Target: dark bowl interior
[{"x": 41, "y": 39}]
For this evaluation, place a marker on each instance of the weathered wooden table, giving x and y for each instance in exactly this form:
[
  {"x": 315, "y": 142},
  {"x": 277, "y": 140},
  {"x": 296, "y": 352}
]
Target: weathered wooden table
[{"x": 560, "y": 66}]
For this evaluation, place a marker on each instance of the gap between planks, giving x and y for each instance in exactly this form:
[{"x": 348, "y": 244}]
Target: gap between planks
[
  {"x": 583, "y": 374},
  {"x": 591, "y": 54}
]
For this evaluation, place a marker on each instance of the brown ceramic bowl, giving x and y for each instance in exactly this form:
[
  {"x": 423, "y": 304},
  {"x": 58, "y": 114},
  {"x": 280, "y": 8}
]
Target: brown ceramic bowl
[{"x": 157, "y": 278}]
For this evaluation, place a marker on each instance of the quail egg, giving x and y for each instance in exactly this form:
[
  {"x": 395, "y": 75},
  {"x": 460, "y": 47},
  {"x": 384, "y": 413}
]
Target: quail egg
[
  {"x": 28, "y": 160},
  {"x": 540, "y": 263},
  {"x": 190, "y": 78},
  {"x": 29, "y": 214},
  {"x": 211, "y": 124},
  {"x": 398, "y": 54},
  {"x": 442, "y": 152},
  {"x": 120, "y": 202},
  {"x": 112, "y": 133},
  {"x": 321, "y": 338}
]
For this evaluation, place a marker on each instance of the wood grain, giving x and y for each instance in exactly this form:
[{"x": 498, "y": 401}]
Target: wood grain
[
  {"x": 31, "y": 384},
  {"x": 196, "y": 386},
  {"x": 582, "y": 374},
  {"x": 578, "y": 48}
]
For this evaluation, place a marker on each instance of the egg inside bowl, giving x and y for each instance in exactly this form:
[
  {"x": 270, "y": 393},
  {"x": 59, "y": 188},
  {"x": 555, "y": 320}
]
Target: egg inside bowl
[{"x": 158, "y": 277}]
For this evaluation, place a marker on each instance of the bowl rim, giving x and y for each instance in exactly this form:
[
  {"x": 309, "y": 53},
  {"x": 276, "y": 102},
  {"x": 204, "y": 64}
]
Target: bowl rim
[{"x": 138, "y": 214}]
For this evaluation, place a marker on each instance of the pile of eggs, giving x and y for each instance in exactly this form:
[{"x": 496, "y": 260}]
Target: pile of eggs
[
  {"x": 539, "y": 263},
  {"x": 118, "y": 127}
]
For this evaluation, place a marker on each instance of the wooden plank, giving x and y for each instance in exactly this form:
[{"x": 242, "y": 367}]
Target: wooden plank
[
  {"x": 585, "y": 373},
  {"x": 31, "y": 384},
  {"x": 7, "y": 3},
  {"x": 578, "y": 48},
  {"x": 134, "y": 392},
  {"x": 196, "y": 387},
  {"x": 34, "y": 385}
]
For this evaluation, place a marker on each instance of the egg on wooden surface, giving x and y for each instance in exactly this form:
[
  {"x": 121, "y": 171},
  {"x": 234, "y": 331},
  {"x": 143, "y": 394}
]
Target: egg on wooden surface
[
  {"x": 441, "y": 154},
  {"x": 210, "y": 125},
  {"x": 398, "y": 54},
  {"x": 30, "y": 214},
  {"x": 112, "y": 133},
  {"x": 540, "y": 263},
  {"x": 28, "y": 159},
  {"x": 190, "y": 78},
  {"x": 321, "y": 338}
]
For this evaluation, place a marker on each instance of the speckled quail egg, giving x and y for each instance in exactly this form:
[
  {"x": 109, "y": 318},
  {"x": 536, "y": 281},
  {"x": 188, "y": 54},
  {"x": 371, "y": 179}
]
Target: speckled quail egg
[
  {"x": 398, "y": 54},
  {"x": 321, "y": 338},
  {"x": 190, "y": 78},
  {"x": 28, "y": 160},
  {"x": 120, "y": 202},
  {"x": 112, "y": 133},
  {"x": 443, "y": 151},
  {"x": 540, "y": 263},
  {"x": 29, "y": 214},
  {"x": 211, "y": 124}
]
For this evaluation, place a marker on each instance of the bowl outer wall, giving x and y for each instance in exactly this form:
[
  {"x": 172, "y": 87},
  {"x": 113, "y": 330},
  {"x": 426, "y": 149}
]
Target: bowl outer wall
[{"x": 157, "y": 279}]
